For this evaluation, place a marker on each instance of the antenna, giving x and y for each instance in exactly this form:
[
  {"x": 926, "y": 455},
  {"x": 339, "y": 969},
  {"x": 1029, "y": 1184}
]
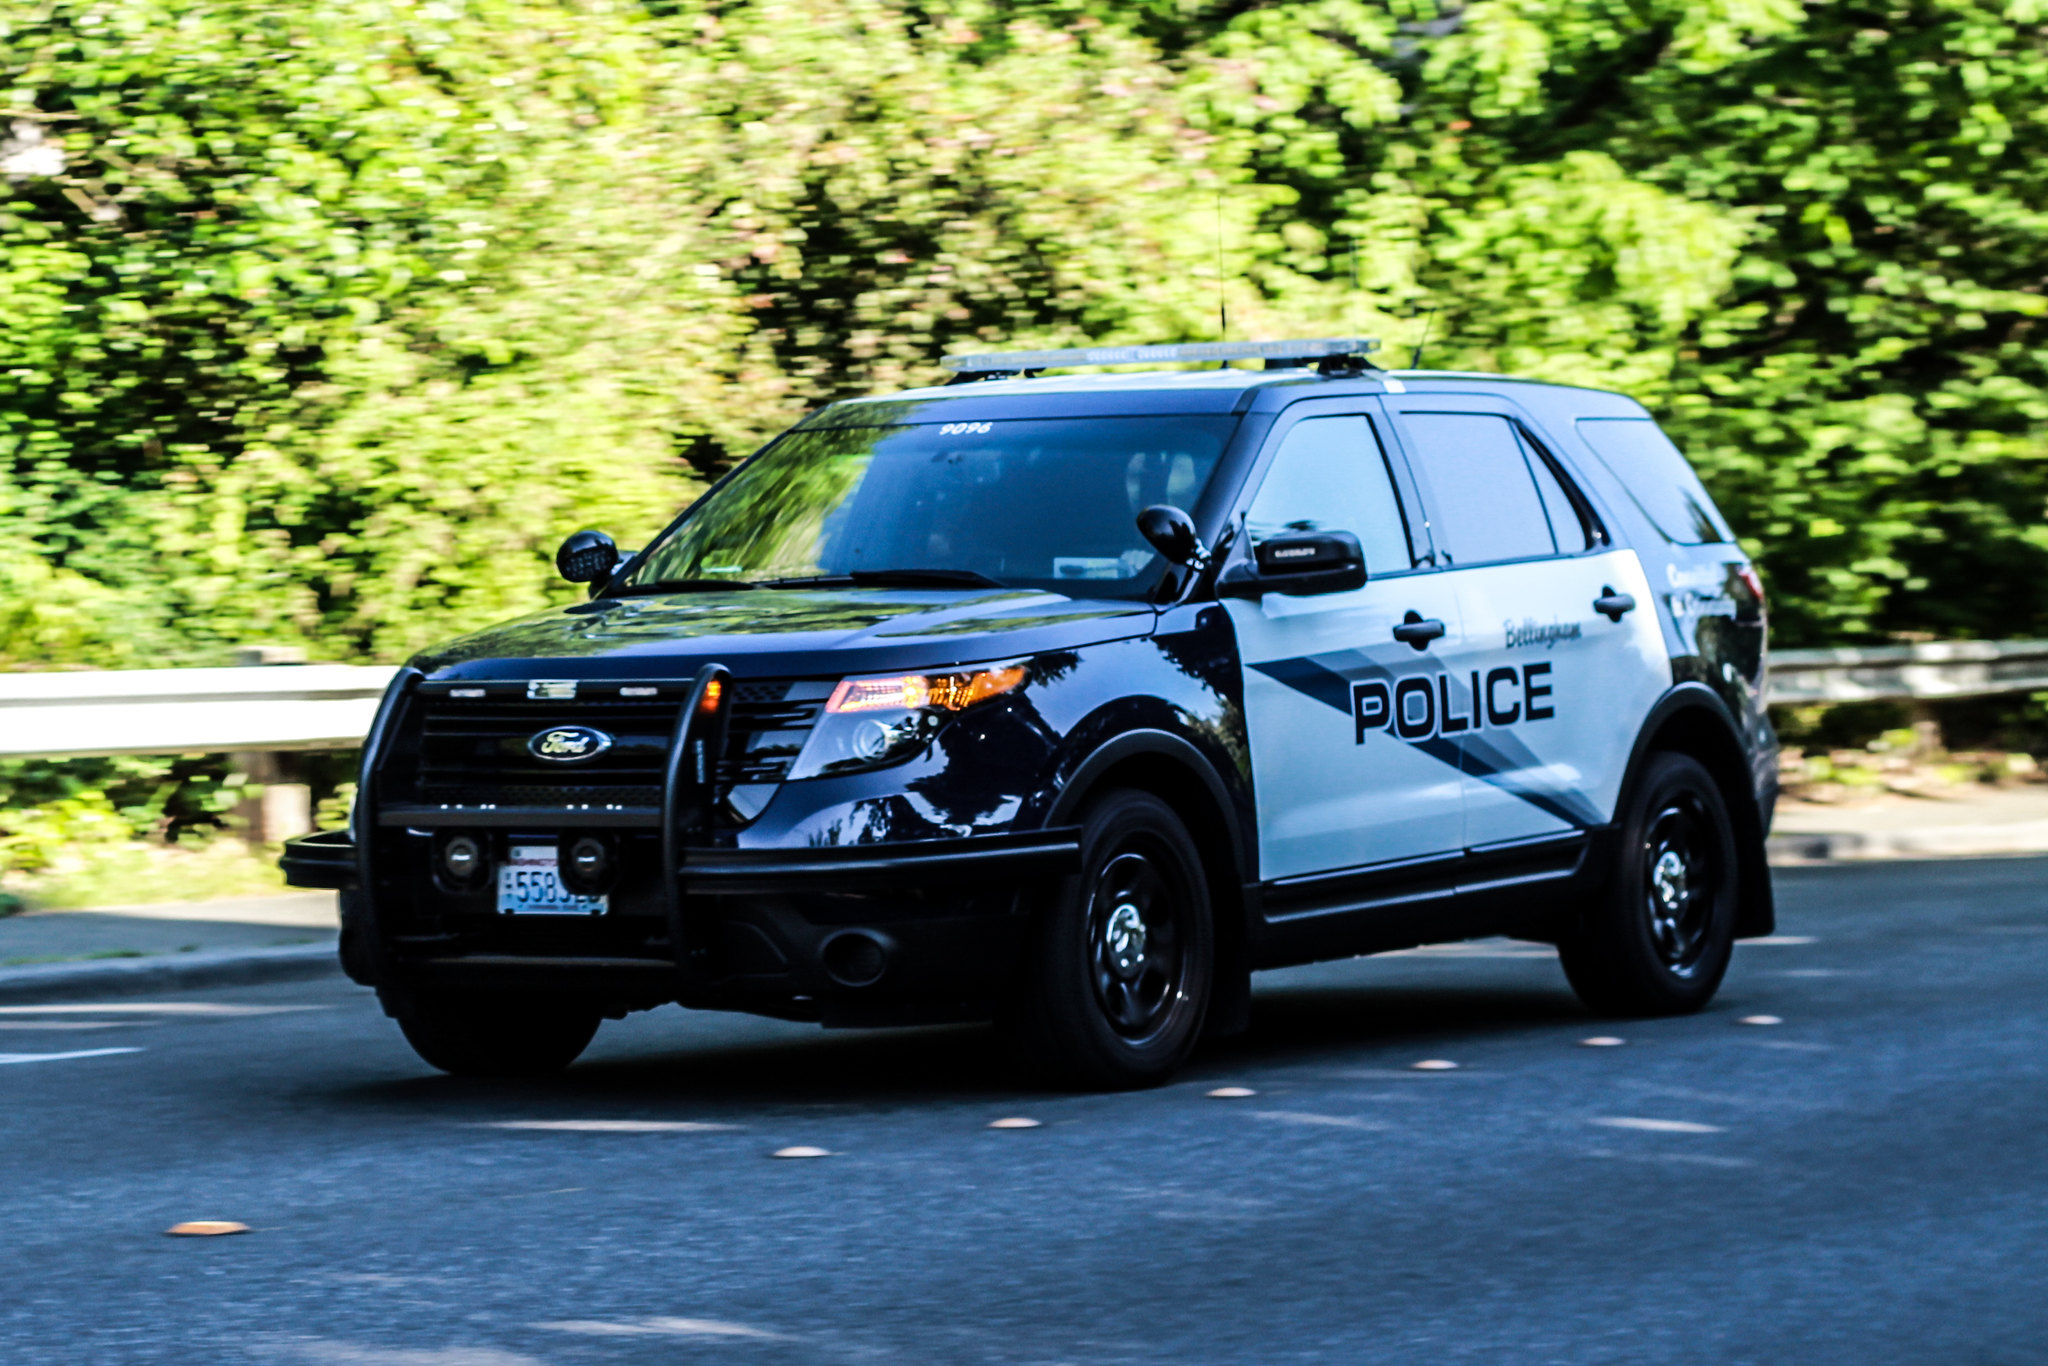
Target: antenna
[
  {"x": 1415, "y": 360},
  {"x": 1222, "y": 309}
]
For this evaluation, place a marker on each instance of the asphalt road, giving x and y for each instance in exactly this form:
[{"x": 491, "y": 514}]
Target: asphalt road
[{"x": 1865, "y": 1182}]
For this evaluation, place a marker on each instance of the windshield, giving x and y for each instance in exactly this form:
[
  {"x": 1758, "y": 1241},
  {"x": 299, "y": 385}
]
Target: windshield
[{"x": 1039, "y": 503}]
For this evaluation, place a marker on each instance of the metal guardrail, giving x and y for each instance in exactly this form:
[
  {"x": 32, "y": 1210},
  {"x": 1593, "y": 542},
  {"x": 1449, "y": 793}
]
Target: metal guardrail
[
  {"x": 330, "y": 706},
  {"x": 188, "y": 711},
  {"x": 1927, "y": 673}
]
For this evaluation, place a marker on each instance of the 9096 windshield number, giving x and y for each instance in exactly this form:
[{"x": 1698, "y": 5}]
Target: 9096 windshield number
[{"x": 964, "y": 428}]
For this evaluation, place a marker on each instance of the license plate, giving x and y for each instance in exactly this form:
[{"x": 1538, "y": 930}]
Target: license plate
[{"x": 530, "y": 883}]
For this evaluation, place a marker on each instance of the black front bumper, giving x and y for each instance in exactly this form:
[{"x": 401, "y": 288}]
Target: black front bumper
[{"x": 945, "y": 914}]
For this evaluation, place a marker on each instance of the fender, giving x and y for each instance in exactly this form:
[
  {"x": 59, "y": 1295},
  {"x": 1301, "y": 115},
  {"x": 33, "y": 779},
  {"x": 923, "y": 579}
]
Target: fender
[
  {"x": 1756, "y": 911},
  {"x": 1132, "y": 743}
]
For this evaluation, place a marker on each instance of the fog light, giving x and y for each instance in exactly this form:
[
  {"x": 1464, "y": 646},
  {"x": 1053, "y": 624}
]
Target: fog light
[
  {"x": 588, "y": 865},
  {"x": 465, "y": 861}
]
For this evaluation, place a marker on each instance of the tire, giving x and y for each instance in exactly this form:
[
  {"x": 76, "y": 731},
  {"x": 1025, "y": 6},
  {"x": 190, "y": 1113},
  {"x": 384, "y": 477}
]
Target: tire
[
  {"x": 482, "y": 1035},
  {"x": 1658, "y": 940},
  {"x": 1120, "y": 969}
]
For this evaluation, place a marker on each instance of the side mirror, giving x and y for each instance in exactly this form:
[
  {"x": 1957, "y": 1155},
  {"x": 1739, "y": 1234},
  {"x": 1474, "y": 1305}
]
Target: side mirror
[
  {"x": 587, "y": 557},
  {"x": 1299, "y": 564},
  {"x": 1172, "y": 533}
]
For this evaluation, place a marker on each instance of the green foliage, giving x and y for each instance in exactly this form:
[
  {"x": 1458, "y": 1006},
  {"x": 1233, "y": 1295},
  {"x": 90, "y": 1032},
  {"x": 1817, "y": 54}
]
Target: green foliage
[{"x": 325, "y": 323}]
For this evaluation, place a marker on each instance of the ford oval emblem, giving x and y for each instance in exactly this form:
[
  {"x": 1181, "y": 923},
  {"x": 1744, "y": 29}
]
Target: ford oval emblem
[{"x": 568, "y": 744}]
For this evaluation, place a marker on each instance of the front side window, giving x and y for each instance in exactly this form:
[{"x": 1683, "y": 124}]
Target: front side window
[
  {"x": 1484, "y": 499},
  {"x": 1331, "y": 475},
  {"x": 1044, "y": 503}
]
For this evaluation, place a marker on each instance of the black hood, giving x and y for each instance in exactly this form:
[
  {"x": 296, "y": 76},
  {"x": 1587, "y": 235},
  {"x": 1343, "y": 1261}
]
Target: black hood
[{"x": 785, "y": 633}]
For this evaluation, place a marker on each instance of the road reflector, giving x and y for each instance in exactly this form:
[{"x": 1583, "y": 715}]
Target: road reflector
[
  {"x": 1759, "y": 1020},
  {"x": 801, "y": 1151},
  {"x": 1232, "y": 1093},
  {"x": 1433, "y": 1065},
  {"x": 1602, "y": 1041},
  {"x": 205, "y": 1228},
  {"x": 1015, "y": 1122}
]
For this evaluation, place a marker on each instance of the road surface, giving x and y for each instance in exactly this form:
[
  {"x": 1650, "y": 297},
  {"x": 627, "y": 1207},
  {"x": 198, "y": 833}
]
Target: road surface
[{"x": 1865, "y": 1181}]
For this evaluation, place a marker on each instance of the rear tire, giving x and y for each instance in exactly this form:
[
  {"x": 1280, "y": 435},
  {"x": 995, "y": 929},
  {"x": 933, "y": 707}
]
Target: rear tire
[
  {"x": 1658, "y": 940},
  {"x": 1118, "y": 976},
  {"x": 485, "y": 1035}
]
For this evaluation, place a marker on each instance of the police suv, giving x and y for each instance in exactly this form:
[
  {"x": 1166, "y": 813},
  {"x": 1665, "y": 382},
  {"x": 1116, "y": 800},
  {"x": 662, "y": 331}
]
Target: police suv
[{"x": 1068, "y": 701}]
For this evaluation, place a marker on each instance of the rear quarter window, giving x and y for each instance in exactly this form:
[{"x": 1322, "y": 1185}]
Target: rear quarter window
[{"x": 1636, "y": 451}]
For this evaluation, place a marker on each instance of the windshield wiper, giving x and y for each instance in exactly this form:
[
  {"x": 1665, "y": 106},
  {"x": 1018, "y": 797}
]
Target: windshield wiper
[
  {"x": 684, "y": 586},
  {"x": 892, "y": 578}
]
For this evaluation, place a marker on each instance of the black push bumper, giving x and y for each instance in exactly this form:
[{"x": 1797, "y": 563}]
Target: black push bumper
[{"x": 325, "y": 860}]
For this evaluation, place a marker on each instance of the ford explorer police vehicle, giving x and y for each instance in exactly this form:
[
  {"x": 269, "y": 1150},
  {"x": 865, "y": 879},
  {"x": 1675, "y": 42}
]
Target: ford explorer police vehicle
[{"x": 1070, "y": 700}]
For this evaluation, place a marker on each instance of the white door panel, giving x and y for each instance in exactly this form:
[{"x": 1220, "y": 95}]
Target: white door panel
[
  {"x": 1336, "y": 786},
  {"x": 1561, "y": 691}
]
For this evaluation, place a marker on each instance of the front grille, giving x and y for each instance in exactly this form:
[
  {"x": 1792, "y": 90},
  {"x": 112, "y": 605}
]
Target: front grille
[
  {"x": 480, "y": 746},
  {"x": 473, "y": 750}
]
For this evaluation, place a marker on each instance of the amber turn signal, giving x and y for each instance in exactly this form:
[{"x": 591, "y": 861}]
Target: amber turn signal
[{"x": 912, "y": 692}]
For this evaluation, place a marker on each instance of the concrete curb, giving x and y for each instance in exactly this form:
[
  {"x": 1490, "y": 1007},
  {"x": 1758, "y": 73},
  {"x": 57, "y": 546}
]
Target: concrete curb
[
  {"x": 102, "y": 977},
  {"x": 1942, "y": 841}
]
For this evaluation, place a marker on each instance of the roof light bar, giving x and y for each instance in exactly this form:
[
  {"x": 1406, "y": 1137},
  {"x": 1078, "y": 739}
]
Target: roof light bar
[{"x": 1011, "y": 362}]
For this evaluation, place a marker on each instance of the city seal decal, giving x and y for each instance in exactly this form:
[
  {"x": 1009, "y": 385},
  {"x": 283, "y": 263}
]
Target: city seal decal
[{"x": 568, "y": 744}]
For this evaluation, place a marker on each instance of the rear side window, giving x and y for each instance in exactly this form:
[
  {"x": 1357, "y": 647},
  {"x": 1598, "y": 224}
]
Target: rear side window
[
  {"x": 1656, "y": 476},
  {"x": 1484, "y": 499},
  {"x": 1331, "y": 475}
]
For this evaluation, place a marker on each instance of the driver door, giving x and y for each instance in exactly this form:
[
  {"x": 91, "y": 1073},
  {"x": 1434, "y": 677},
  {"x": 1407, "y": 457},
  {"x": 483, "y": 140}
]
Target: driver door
[{"x": 1341, "y": 717}]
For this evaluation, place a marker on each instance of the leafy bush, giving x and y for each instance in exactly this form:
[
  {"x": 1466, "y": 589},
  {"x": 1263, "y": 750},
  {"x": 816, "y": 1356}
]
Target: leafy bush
[{"x": 326, "y": 322}]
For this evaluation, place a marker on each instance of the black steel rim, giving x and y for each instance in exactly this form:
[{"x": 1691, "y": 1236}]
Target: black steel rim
[
  {"x": 1680, "y": 882},
  {"x": 1137, "y": 943}
]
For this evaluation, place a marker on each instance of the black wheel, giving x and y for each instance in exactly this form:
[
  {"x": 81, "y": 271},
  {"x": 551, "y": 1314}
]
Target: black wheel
[
  {"x": 1118, "y": 977},
  {"x": 1658, "y": 941},
  {"x": 482, "y": 1035}
]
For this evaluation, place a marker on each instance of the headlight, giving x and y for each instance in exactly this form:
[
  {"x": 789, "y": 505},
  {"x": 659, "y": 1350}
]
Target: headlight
[{"x": 871, "y": 722}]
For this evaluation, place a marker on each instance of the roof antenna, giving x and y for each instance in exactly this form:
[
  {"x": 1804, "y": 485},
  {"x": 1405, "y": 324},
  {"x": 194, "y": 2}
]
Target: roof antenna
[
  {"x": 1415, "y": 360},
  {"x": 1222, "y": 309}
]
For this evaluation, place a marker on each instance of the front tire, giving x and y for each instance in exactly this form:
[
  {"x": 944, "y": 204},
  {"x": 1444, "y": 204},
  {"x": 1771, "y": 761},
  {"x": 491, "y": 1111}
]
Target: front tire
[
  {"x": 1121, "y": 965},
  {"x": 477, "y": 1034},
  {"x": 1659, "y": 939}
]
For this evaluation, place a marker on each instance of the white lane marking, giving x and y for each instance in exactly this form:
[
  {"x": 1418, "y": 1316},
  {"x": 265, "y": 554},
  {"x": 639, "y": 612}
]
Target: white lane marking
[
  {"x": 1305, "y": 1117},
  {"x": 1659, "y": 1126},
  {"x": 657, "y": 1327},
  {"x": 355, "y": 1354},
  {"x": 157, "y": 1008},
  {"x": 1674, "y": 1159},
  {"x": 610, "y": 1126},
  {"x": 6, "y": 1058},
  {"x": 1779, "y": 940},
  {"x": 74, "y": 1024}
]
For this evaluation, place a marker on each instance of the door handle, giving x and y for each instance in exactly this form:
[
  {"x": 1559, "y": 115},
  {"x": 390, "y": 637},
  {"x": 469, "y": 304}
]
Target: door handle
[
  {"x": 1415, "y": 631},
  {"x": 1612, "y": 604}
]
